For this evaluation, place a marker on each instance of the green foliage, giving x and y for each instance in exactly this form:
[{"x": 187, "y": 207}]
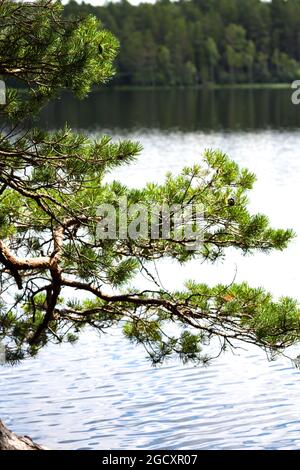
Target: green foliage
[{"x": 51, "y": 55}]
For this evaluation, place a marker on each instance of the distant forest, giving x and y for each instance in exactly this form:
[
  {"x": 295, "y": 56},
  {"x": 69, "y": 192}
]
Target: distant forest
[{"x": 192, "y": 42}]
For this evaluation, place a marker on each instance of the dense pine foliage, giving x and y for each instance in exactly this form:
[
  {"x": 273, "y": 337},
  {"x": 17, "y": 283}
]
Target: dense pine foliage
[
  {"x": 57, "y": 275},
  {"x": 191, "y": 42}
]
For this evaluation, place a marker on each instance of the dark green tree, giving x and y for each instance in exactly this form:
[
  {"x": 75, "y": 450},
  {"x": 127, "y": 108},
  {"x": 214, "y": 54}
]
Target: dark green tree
[
  {"x": 165, "y": 72},
  {"x": 213, "y": 56},
  {"x": 239, "y": 52}
]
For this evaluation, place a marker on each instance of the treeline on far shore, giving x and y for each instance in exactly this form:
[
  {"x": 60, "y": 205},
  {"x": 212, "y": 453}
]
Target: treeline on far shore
[{"x": 192, "y": 42}]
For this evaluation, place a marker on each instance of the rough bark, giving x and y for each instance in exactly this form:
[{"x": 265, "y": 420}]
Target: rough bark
[{"x": 10, "y": 441}]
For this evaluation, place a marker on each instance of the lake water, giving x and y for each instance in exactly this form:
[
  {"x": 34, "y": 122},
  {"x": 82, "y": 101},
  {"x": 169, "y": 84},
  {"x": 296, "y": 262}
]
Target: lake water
[{"x": 102, "y": 393}]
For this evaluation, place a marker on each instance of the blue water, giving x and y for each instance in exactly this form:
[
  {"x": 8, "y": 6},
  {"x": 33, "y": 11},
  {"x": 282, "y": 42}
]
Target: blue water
[{"x": 103, "y": 394}]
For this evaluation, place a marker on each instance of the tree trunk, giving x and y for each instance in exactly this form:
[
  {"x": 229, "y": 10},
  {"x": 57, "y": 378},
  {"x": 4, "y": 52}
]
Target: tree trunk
[{"x": 10, "y": 441}]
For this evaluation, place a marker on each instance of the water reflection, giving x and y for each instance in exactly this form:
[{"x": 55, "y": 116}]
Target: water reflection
[{"x": 187, "y": 110}]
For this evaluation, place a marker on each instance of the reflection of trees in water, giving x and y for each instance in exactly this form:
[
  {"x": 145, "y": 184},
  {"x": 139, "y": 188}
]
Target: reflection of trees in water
[{"x": 185, "y": 109}]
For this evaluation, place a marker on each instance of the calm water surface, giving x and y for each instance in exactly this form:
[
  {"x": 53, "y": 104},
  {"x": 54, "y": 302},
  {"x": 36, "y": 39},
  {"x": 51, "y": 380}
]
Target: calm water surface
[{"x": 102, "y": 392}]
